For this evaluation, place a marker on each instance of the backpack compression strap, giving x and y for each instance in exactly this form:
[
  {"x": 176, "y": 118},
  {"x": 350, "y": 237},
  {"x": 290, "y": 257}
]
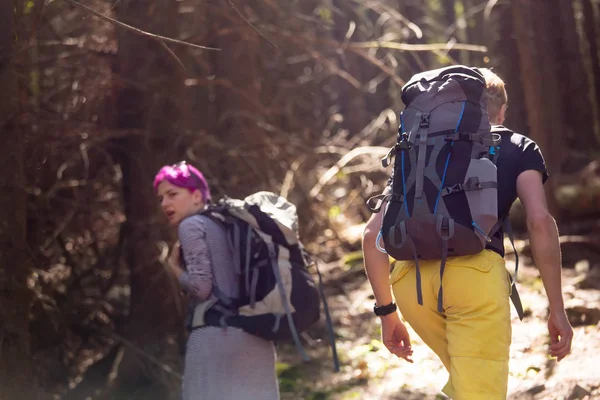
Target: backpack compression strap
[
  {"x": 445, "y": 228},
  {"x": 284, "y": 300},
  {"x": 514, "y": 294}
]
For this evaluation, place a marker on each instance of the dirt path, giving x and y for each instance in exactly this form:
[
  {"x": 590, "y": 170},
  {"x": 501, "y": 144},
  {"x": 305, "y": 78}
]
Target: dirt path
[{"x": 370, "y": 372}]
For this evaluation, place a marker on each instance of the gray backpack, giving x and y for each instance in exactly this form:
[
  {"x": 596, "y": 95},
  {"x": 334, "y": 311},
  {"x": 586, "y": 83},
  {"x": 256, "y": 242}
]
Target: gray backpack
[
  {"x": 443, "y": 199},
  {"x": 278, "y": 297}
]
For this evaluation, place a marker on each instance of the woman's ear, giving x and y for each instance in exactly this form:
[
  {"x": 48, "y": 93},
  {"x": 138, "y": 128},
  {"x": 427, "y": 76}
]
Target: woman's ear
[{"x": 197, "y": 197}]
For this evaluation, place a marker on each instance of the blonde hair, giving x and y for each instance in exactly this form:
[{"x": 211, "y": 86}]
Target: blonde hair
[{"x": 496, "y": 93}]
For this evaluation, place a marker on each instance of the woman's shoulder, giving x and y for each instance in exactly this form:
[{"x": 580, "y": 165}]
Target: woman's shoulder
[
  {"x": 199, "y": 222},
  {"x": 193, "y": 222}
]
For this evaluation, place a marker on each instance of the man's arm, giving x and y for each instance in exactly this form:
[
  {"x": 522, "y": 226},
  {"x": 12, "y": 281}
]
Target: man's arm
[
  {"x": 394, "y": 334},
  {"x": 377, "y": 264},
  {"x": 545, "y": 247}
]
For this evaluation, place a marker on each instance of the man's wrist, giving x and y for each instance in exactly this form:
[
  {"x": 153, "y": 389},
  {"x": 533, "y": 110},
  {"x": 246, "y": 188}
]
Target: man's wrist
[
  {"x": 389, "y": 317},
  {"x": 385, "y": 309},
  {"x": 556, "y": 305}
]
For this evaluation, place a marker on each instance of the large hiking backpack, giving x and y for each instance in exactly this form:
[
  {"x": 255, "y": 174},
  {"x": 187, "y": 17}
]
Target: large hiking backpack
[
  {"x": 443, "y": 199},
  {"x": 278, "y": 296}
]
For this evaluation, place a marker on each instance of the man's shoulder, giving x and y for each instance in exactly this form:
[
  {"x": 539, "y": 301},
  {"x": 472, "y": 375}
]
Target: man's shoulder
[{"x": 510, "y": 137}]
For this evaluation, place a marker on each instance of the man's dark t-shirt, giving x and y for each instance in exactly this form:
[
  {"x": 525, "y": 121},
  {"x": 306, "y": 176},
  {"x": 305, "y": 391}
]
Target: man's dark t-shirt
[{"x": 517, "y": 154}]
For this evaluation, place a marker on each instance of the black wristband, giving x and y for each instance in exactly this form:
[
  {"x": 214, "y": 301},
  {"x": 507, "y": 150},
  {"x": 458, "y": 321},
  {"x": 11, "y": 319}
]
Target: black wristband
[{"x": 384, "y": 310}]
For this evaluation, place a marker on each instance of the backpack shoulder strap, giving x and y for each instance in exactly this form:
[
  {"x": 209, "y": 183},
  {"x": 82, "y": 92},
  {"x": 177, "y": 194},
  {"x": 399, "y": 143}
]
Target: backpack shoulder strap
[
  {"x": 514, "y": 294},
  {"x": 215, "y": 213}
]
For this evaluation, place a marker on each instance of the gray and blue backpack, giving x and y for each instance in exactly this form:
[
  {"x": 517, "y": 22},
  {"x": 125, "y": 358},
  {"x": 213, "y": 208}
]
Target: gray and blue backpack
[{"x": 443, "y": 200}]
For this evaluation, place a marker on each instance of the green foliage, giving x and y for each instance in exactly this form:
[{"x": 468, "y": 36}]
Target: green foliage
[
  {"x": 29, "y": 5},
  {"x": 459, "y": 9},
  {"x": 324, "y": 13},
  {"x": 334, "y": 211},
  {"x": 352, "y": 259}
]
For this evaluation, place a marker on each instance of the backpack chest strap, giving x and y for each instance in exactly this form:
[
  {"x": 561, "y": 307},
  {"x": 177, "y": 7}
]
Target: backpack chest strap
[
  {"x": 491, "y": 140},
  {"x": 471, "y": 184}
]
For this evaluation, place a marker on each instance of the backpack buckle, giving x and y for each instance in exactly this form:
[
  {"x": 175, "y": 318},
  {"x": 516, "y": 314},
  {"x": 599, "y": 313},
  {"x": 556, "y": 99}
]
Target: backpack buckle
[
  {"x": 452, "y": 189},
  {"x": 424, "y": 120},
  {"x": 464, "y": 136},
  {"x": 445, "y": 227},
  {"x": 403, "y": 144}
]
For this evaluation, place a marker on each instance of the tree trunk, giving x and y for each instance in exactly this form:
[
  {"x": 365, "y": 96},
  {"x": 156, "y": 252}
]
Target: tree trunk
[
  {"x": 417, "y": 61},
  {"x": 592, "y": 33},
  {"x": 575, "y": 87},
  {"x": 449, "y": 10},
  {"x": 534, "y": 28},
  {"x": 475, "y": 31},
  {"x": 239, "y": 114},
  {"x": 504, "y": 59},
  {"x": 352, "y": 102},
  {"x": 146, "y": 102},
  {"x": 15, "y": 297}
]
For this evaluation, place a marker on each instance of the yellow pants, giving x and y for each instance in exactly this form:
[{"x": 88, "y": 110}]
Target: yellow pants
[{"x": 472, "y": 336}]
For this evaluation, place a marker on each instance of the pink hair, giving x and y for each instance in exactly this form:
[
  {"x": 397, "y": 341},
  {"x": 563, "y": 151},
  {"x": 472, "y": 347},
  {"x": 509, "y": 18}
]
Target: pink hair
[{"x": 185, "y": 176}]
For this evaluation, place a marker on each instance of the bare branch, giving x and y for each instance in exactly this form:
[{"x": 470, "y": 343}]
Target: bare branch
[
  {"x": 417, "y": 47},
  {"x": 372, "y": 151},
  {"x": 172, "y": 53},
  {"x": 488, "y": 9},
  {"x": 136, "y": 30},
  {"x": 379, "y": 64},
  {"x": 252, "y": 26}
]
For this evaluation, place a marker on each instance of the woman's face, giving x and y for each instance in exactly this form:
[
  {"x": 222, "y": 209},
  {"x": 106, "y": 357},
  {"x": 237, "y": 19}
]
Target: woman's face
[{"x": 178, "y": 203}]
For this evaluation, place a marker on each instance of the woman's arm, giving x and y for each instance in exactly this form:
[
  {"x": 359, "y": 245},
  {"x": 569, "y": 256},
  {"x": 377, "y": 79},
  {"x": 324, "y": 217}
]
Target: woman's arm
[{"x": 197, "y": 279}]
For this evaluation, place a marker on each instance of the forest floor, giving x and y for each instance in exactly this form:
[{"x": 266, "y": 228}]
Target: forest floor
[{"x": 369, "y": 371}]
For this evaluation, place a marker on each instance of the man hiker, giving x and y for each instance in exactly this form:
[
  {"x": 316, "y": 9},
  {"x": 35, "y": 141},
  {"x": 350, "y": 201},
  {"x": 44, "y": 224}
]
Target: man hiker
[{"x": 459, "y": 304}]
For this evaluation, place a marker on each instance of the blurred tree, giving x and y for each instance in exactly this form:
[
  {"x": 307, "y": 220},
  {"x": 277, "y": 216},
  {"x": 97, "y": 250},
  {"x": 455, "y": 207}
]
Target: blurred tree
[
  {"x": 148, "y": 82},
  {"x": 591, "y": 17},
  {"x": 240, "y": 114},
  {"x": 448, "y": 8},
  {"x": 412, "y": 32},
  {"x": 504, "y": 59},
  {"x": 536, "y": 43},
  {"x": 575, "y": 87},
  {"x": 16, "y": 380},
  {"x": 476, "y": 29}
]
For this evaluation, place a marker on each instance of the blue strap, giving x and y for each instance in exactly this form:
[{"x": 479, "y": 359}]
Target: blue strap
[
  {"x": 402, "y": 122},
  {"x": 462, "y": 113},
  {"x": 377, "y": 243}
]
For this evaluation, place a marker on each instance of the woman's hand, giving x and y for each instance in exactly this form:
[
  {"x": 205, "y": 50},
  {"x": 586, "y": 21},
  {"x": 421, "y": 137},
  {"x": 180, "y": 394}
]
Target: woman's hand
[
  {"x": 174, "y": 261},
  {"x": 394, "y": 336}
]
